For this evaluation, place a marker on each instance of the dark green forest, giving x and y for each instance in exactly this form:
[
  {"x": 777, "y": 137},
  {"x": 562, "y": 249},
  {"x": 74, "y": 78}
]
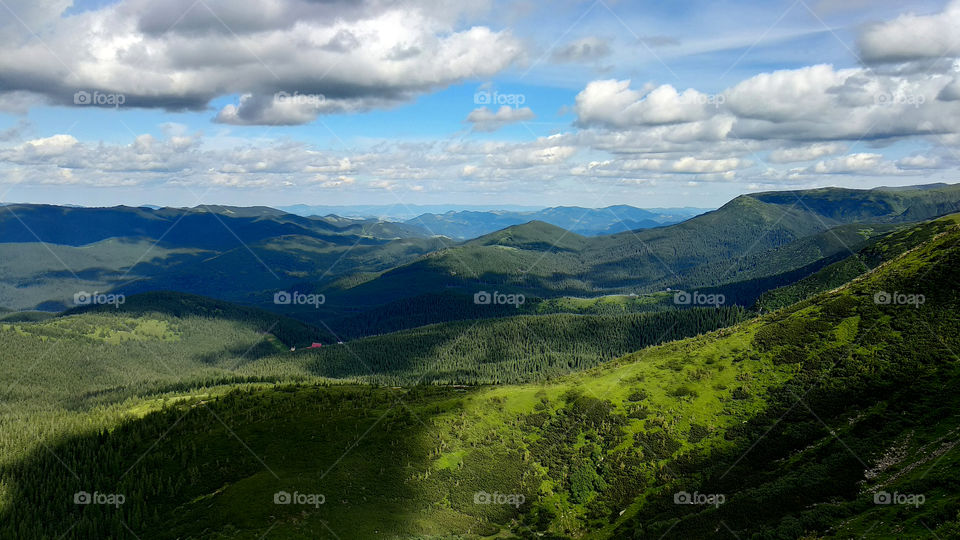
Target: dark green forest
[{"x": 816, "y": 400}]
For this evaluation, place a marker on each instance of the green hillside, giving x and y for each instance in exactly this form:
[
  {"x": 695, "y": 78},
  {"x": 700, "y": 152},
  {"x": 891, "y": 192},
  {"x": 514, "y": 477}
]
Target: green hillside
[
  {"x": 49, "y": 253},
  {"x": 504, "y": 350},
  {"x": 871, "y": 255},
  {"x": 751, "y": 237},
  {"x": 806, "y": 413}
]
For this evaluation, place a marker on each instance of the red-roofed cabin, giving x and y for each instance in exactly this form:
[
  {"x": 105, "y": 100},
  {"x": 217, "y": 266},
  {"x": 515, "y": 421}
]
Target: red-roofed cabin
[{"x": 315, "y": 345}]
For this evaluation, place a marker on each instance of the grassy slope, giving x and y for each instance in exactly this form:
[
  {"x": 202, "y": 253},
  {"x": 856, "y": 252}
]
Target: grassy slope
[
  {"x": 876, "y": 252},
  {"x": 597, "y": 453}
]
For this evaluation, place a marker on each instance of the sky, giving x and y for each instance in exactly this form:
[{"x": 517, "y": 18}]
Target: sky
[{"x": 394, "y": 102}]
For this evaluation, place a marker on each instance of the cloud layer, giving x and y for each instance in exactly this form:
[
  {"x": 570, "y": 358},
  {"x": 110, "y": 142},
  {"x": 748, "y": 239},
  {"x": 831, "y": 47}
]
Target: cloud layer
[
  {"x": 892, "y": 110},
  {"x": 181, "y": 54}
]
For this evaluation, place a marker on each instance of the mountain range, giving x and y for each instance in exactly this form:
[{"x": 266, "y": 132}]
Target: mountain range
[{"x": 822, "y": 408}]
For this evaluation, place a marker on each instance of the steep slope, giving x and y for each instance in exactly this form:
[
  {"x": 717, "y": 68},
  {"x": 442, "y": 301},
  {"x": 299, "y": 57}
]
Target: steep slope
[
  {"x": 797, "y": 424},
  {"x": 874, "y": 253},
  {"x": 751, "y": 237}
]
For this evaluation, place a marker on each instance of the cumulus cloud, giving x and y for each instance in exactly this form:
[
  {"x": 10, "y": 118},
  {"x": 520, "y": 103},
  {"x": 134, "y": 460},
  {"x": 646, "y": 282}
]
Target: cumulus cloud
[
  {"x": 613, "y": 103},
  {"x": 484, "y": 119},
  {"x": 35, "y": 149},
  {"x": 521, "y": 158},
  {"x": 586, "y": 50},
  {"x": 292, "y": 60},
  {"x": 914, "y": 37},
  {"x": 919, "y": 162},
  {"x": 182, "y": 54},
  {"x": 680, "y": 165},
  {"x": 853, "y": 163},
  {"x": 805, "y": 153},
  {"x": 815, "y": 103}
]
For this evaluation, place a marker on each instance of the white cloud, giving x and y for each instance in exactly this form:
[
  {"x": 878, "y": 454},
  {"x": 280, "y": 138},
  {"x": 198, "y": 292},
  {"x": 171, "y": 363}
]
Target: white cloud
[
  {"x": 919, "y": 162},
  {"x": 613, "y": 103},
  {"x": 682, "y": 165},
  {"x": 805, "y": 153},
  {"x": 529, "y": 157},
  {"x": 785, "y": 95},
  {"x": 806, "y": 105},
  {"x": 483, "y": 119},
  {"x": 47, "y": 147},
  {"x": 914, "y": 37},
  {"x": 179, "y": 55},
  {"x": 853, "y": 163}
]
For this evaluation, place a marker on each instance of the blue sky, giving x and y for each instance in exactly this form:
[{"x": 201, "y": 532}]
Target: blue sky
[{"x": 375, "y": 102}]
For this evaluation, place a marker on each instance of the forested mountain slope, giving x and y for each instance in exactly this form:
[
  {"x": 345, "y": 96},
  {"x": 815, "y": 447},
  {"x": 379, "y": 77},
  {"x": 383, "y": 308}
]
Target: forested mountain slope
[
  {"x": 834, "y": 415},
  {"x": 752, "y": 236},
  {"x": 466, "y": 224}
]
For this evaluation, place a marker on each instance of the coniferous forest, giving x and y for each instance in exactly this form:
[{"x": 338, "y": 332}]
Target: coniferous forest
[{"x": 489, "y": 270}]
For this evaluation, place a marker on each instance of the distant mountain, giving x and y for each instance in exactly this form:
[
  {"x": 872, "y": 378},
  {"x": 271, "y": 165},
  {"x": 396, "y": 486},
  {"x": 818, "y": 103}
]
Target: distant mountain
[
  {"x": 751, "y": 237},
  {"x": 585, "y": 221},
  {"x": 395, "y": 212},
  {"x": 207, "y": 227},
  {"x": 372, "y": 270},
  {"x": 49, "y": 253}
]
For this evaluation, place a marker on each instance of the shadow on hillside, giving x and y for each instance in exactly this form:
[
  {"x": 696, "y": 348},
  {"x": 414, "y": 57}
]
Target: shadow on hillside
[{"x": 289, "y": 462}]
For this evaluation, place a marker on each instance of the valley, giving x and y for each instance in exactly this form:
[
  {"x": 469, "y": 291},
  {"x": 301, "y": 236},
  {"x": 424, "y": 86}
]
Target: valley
[{"x": 604, "y": 405}]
